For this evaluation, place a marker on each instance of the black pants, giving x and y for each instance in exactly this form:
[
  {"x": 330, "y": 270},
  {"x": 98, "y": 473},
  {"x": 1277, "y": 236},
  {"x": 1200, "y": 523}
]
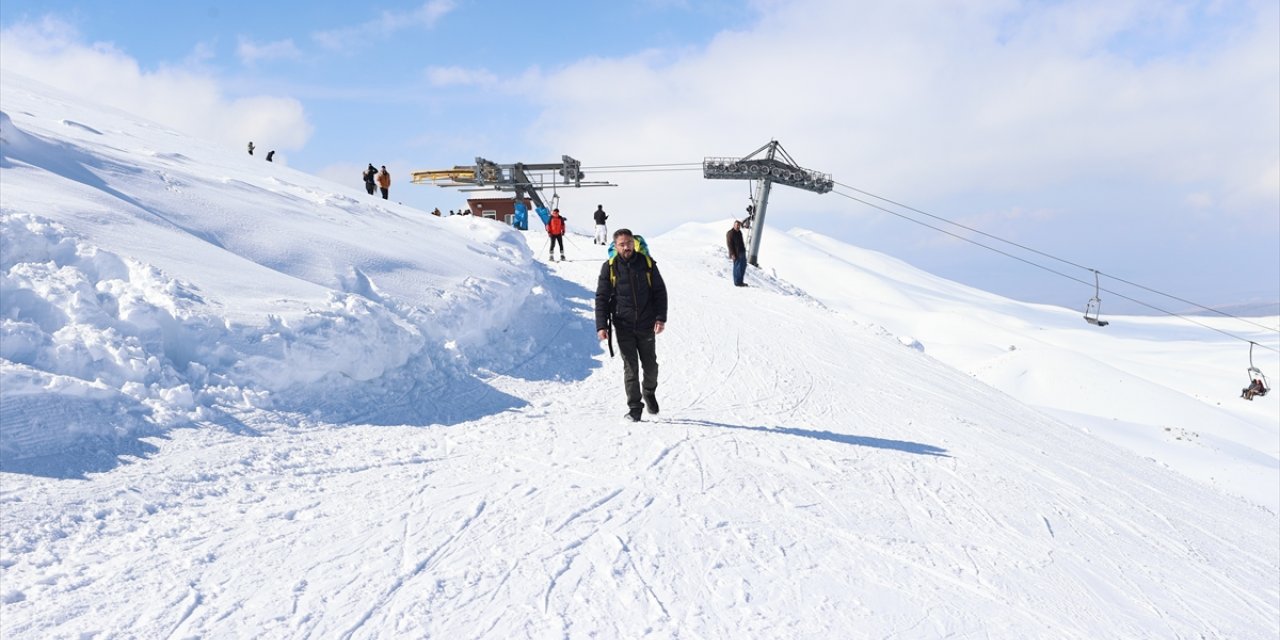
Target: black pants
[
  {"x": 368, "y": 186},
  {"x": 554, "y": 240},
  {"x": 384, "y": 192},
  {"x": 639, "y": 350}
]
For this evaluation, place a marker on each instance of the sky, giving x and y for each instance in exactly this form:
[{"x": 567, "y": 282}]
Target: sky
[
  {"x": 346, "y": 419},
  {"x": 1141, "y": 139}
]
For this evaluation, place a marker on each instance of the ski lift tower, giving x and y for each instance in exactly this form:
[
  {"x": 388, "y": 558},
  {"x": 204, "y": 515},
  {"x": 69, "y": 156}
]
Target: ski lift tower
[{"x": 776, "y": 165}]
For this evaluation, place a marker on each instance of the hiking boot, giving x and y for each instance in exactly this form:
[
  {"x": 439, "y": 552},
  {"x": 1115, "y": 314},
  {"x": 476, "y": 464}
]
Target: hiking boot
[
  {"x": 651, "y": 403},
  {"x": 632, "y": 416}
]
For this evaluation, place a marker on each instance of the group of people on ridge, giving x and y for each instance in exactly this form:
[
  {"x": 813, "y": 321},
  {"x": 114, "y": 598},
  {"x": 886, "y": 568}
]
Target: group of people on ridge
[
  {"x": 382, "y": 179},
  {"x": 270, "y": 154}
]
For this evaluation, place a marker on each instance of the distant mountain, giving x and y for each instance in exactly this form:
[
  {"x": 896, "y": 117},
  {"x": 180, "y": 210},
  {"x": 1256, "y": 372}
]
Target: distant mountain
[{"x": 1243, "y": 310}]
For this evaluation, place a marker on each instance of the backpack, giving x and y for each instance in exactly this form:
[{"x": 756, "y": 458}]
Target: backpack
[
  {"x": 556, "y": 226},
  {"x": 642, "y": 248}
]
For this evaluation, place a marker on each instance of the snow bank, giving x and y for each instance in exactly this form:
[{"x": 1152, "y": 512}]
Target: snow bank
[
  {"x": 142, "y": 350},
  {"x": 229, "y": 285}
]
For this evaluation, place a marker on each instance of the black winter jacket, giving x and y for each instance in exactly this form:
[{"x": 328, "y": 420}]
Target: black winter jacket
[
  {"x": 637, "y": 300},
  {"x": 736, "y": 246},
  {"x": 600, "y": 215}
]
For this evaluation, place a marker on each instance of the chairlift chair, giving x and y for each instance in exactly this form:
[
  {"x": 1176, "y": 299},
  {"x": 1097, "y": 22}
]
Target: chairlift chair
[
  {"x": 1094, "y": 306},
  {"x": 1255, "y": 375}
]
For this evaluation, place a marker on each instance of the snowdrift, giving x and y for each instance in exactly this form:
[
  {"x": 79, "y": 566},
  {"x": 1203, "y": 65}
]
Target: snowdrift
[{"x": 228, "y": 284}]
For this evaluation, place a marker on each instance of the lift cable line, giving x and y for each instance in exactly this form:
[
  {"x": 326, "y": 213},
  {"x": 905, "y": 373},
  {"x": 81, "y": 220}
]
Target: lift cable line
[
  {"x": 1053, "y": 257},
  {"x": 630, "y": 166},
  {"x": 656, "y": 170},
  {"x": 1052, "y": 270}
]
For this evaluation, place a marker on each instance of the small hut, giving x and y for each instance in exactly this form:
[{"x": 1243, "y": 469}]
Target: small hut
[{"x": 500, "y": 209}]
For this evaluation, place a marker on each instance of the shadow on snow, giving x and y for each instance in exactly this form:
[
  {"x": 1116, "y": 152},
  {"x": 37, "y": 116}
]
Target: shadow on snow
[
  {"x": 558, "y": 343},
  {"x": 552, "y": 342},
  {"x": 100, "y": 454},
  {"x": 904, "y": 446}
]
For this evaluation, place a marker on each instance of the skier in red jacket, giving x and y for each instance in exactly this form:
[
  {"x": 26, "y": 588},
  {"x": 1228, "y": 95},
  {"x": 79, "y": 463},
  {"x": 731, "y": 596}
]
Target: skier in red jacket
[{"x": 555, "y": 228}]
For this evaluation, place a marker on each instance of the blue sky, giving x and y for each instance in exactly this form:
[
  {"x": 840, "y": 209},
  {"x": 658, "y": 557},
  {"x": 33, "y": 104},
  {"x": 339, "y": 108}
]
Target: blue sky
[{"x": 1140, "y": 138}]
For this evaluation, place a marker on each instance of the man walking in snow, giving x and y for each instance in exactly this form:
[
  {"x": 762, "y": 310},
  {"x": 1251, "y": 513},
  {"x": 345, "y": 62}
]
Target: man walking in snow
[
  {"x": 369, "y": 175},
  {"x": 631, "y": 303},
  {"x": 384, "y": 181},
  {"x": 602, "y": 232},
  {"x": 737, "y": 253}
]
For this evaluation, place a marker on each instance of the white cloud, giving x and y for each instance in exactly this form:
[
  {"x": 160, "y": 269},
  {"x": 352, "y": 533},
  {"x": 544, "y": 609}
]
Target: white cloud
[
  {"x": 928, "y": 102},
  {"x": 51, "y": 51},
  {"x": 459, "y": 76},
  {"x": 386, "y": 23},
  {"x": 251, "y": 52},
  {"x": 200, "y": 54}
]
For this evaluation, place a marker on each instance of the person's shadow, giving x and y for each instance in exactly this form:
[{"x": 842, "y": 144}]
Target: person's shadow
[{"x": 905, "y": 446}]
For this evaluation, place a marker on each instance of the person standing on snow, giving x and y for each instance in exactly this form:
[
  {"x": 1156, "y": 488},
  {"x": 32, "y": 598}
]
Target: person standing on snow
[
  {"x": 602, "y": 231},
  {"x": 737, "y": 253},
  {"x": 555, "y": 229},
  {"x": 384, "y": 181},
  {"x": 631, "y": 303},
  {"x": 369, "y": 175},
  {"x": 271, "y": 154},
  {"x": 250, "y": 147}
]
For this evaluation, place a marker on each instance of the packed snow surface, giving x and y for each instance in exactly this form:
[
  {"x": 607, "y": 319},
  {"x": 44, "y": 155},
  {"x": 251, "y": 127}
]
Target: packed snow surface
[{"x": 241, "y": 401}]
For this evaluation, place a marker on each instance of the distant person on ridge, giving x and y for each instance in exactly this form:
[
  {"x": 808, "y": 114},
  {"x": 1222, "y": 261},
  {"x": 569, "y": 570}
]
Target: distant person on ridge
[
  {"x": 555, "y": 229},
  {"x": 631, "y": 303},
  {"x": 369, "y": 175},
  {"x": 270, "y": 154},
  {"x": 250, "y": 147},
  {"x": 384, "y": 181},
  {"x": 737, "y": 253},
  {"x": 602, "y": 231}
]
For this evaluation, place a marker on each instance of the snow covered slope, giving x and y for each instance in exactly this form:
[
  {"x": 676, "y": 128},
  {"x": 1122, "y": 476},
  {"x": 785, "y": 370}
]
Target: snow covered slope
[
  {"x": 1161, "y": 386},
  {"x": 283, "y": 409}
]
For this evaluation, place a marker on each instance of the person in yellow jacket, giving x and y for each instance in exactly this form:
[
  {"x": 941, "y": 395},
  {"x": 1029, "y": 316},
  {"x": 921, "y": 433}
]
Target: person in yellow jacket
[{"x": 384, "y": 181}]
